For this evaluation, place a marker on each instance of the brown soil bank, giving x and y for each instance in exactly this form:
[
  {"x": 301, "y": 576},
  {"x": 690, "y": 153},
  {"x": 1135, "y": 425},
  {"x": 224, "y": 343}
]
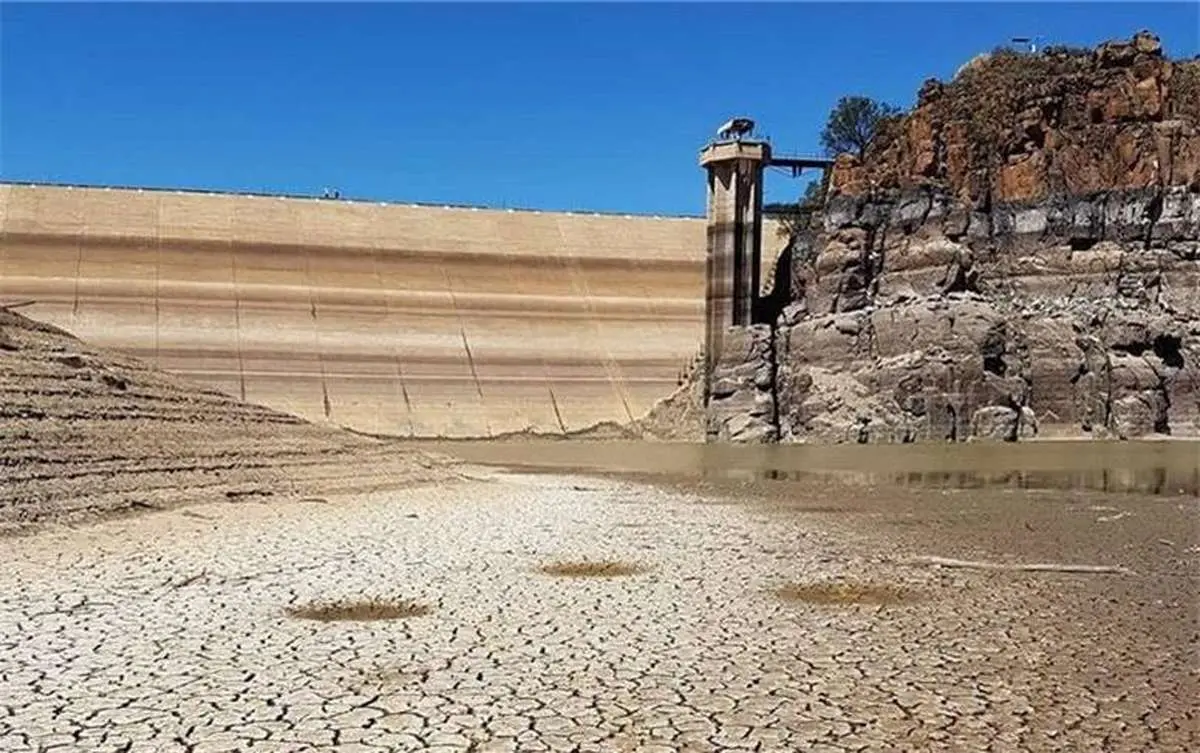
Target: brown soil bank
[
  {"x": 1018, "y": 256},
  {"x": 84, "y": 433}
]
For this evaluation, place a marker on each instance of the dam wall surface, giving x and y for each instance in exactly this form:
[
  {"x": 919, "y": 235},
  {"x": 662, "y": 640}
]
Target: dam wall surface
[{"x": 391, "y": 319}]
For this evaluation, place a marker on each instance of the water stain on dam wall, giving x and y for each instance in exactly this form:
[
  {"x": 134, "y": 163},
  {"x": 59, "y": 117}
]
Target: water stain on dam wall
[{"x": 396, "y": 319}]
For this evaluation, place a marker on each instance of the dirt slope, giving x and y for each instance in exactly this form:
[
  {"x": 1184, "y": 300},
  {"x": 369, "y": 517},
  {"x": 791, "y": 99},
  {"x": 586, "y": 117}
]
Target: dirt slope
[{"x": 84, "y": 432}]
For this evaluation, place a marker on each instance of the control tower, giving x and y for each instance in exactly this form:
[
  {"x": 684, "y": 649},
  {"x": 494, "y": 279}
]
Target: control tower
[
  {"x": 735, "y": 189},
  {"x": 739, "y": 351}
]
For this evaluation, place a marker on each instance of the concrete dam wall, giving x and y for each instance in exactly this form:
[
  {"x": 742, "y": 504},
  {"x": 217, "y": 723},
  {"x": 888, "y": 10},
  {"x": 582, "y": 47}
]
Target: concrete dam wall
[{"x": 394, "y": 319}]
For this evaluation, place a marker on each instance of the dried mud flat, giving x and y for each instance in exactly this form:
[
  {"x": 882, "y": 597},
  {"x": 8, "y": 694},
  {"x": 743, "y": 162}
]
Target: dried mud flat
[{"x": 171, "y": 631}]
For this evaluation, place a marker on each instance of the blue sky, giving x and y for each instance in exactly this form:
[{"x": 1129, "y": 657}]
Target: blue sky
[{"x": 557, "y": 106}]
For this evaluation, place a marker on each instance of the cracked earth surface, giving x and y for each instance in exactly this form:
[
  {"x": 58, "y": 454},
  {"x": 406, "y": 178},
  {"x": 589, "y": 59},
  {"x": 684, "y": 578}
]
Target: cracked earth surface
[{"x": 168, "y": 632}]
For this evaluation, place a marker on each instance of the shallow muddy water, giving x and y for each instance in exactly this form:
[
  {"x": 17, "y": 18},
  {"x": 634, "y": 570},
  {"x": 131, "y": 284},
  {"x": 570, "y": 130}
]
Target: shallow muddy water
[{"x": 1159, "y": 468}]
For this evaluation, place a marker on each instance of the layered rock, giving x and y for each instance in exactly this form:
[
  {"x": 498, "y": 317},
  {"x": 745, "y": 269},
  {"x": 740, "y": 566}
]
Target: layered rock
[
  {"x": 1017, "y": 257},
  {"x": 741, "y": 396}
]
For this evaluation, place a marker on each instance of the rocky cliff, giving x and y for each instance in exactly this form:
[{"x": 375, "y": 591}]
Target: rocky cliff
[{"x": 1018, "y": 256}]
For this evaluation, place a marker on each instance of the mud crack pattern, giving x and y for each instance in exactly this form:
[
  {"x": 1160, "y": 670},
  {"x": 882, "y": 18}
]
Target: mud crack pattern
[{"x": 168, "y": 632}]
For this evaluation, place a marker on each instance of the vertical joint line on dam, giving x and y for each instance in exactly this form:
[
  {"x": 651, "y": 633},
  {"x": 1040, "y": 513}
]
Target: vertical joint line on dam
[
  {"x": 396, "y": 360},
  {"x": 157, "y": 297},
  {"x": 462, "y": 331},
  {"x": 237, "y": 322},
  {"x": 471, "y": 362},
  {"x": 326, "y": 406},
  {"x": 616, "y": 378},
  {"x": 78, "y": 274},
  {"x": 557, "y": 413}
]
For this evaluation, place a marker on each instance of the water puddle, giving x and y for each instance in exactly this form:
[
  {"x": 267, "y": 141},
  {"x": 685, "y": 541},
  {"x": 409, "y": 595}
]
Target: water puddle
[{"x": 1156, "y": 468}]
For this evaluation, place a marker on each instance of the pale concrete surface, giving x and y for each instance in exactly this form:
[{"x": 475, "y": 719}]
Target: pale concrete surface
[
  {"x": 405, "y": 320},
  {"x": 167, "y": 633}
]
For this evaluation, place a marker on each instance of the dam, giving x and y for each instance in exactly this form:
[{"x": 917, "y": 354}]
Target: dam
[{"x": 404, "y": 320}]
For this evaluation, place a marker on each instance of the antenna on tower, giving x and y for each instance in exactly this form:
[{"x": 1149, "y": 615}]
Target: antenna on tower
[{"x": 1030, "y": 42}]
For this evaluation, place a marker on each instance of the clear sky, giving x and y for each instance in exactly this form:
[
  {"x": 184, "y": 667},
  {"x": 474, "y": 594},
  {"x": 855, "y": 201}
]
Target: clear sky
[{"x": 556, "y": 106}]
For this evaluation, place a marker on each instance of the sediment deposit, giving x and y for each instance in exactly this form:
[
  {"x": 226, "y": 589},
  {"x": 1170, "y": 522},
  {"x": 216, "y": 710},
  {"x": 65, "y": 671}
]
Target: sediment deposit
[
  {"x": 87, "y": 433},
  {"x": 1017, "y": 257}
]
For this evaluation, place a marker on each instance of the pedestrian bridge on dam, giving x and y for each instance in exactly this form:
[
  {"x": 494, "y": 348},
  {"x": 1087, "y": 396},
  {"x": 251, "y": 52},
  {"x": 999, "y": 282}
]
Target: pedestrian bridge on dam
[{"x": 393, "y": 319}]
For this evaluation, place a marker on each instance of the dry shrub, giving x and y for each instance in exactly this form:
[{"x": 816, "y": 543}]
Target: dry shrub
[
  {"x": 591, "y": 569},
  {"x": 1185, "y": 91},
  {"x": 359, "y": 611},
  {"x": 840, "y": 593}
]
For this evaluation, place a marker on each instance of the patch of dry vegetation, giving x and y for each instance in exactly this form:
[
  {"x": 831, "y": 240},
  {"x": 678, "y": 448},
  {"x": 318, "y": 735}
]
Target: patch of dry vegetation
[
  {"x": 1185, "y": 86},
  {"x": 841, "y": 593},
  {"x": 991, "y": 93},
  {"x": 591, "y": 569},
  {"x": 359, "y": 611}
]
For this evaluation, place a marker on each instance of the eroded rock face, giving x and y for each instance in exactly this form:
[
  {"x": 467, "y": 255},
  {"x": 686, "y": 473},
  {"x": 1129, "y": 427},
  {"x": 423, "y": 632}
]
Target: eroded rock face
[
  {"x": 741, "y": 395},
  {"x": 1018, "y": 257},
  {"x": 1025, "y": 330}
]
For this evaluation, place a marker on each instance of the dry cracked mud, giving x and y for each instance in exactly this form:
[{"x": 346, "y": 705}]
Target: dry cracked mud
[{"x": 170, "y": 631}]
